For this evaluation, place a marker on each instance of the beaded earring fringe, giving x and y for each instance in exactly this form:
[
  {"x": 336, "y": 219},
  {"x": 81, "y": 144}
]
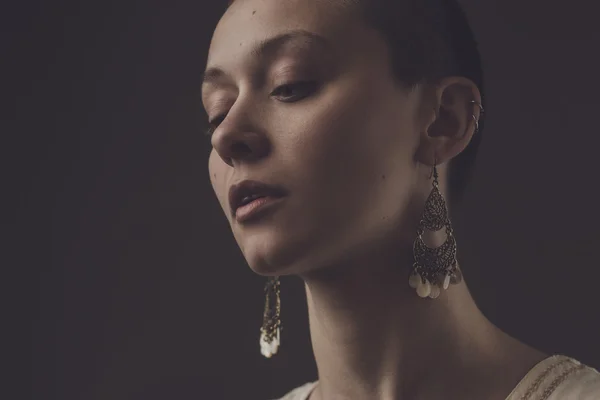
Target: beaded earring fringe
[{"x": 270, "y": 332}]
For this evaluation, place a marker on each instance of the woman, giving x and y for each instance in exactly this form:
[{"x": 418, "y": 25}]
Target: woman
[{"x": 339, "y": 128}]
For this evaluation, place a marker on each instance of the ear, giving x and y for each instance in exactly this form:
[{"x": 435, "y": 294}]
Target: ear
[{"x": 452, "y": 122}]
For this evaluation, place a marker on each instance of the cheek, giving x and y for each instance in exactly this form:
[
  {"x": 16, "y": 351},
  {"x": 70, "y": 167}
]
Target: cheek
[
  {"x": 354, "y": 158},
  {"x": 217, "y": 171},
  {"x": 358, "y": 129},
  {"x": 213, "y": 161}
]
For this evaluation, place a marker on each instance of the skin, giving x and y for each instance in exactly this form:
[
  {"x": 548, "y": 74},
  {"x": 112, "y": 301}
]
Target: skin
[{"x": 355, "y": 150}]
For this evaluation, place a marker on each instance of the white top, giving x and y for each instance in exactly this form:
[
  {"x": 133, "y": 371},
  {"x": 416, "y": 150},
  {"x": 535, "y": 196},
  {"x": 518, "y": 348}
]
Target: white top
[{"x": 557, "y": 377}]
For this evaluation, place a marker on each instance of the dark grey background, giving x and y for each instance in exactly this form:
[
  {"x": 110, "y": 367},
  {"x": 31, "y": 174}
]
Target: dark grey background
[{"x": 139, "y": 289}]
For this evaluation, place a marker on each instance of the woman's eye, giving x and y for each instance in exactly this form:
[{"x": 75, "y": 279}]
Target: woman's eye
[
  {"x": 294, "y": 91},
  {"x": 213, "y": 125},
  {"x": 287, "y": 93}
]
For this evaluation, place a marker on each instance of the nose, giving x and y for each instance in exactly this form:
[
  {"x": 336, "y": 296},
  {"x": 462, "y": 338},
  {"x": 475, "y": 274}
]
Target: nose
[{"x": 239, "y": 139}]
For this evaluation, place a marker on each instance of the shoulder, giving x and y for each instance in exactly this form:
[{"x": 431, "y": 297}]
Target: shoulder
[
  {"x": 559, "y": 378},
  {"x": 300, "y": 393},
  {"x": 581, "y": 382}
]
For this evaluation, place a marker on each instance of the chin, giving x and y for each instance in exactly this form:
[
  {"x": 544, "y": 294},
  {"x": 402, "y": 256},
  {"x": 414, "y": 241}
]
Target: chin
[
  {"x": 276, "y": 256},
  {"x": 274, "y": 263}
]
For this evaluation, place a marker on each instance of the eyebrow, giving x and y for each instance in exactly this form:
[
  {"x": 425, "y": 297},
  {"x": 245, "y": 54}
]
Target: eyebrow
[{"x": 270, "y": 47}]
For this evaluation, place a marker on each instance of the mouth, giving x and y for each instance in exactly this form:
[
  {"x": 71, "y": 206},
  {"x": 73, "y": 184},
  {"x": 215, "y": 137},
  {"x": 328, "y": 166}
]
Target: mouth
[
  {"x": 255, "y": 208},
  {"x": 250, "y": 197}
]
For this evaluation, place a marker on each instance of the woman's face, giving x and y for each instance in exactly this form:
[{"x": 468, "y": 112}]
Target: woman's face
[{"x": 318, "y": 112}]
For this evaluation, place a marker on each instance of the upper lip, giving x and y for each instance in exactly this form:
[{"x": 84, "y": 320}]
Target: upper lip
[{"x": 239, "y": 191}]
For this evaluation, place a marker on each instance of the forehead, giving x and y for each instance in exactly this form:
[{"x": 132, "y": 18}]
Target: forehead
[{"x": 248, "y": 23}]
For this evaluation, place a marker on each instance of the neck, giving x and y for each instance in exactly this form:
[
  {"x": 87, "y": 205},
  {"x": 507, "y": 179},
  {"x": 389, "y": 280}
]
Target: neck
[{"x": 374, "y": 338}]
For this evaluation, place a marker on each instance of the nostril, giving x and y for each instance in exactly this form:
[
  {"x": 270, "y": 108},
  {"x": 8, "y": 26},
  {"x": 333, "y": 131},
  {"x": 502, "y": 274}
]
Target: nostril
[
  {"x": 246, "y": 146},
  {"x": 240, "y": 148}
]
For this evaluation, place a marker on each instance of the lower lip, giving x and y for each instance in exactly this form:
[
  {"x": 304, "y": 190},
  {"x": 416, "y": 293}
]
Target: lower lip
[{"x": 255, "y": 207}]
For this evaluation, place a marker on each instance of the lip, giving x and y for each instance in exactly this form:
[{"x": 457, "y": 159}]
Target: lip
[
  {"x": 239, "y": 191},
  {"x": 256, "y": 208}
]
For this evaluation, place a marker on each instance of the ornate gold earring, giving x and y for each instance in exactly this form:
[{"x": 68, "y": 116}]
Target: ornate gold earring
[
  {"x": 271, "y": 327},
  {"x": 434, "y": 268}
]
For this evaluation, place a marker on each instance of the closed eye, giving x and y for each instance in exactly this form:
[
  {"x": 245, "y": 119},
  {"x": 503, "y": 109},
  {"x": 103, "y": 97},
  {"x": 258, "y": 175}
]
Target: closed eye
[
  {"x": 287, "y": 93},
  {"x": 295, "y": 91}
]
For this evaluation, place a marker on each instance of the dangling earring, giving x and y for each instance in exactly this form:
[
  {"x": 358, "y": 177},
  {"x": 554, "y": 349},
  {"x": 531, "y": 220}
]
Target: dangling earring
[
  {"x": 434, "y": 268},
  {"x": 271, "y": 327}
]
